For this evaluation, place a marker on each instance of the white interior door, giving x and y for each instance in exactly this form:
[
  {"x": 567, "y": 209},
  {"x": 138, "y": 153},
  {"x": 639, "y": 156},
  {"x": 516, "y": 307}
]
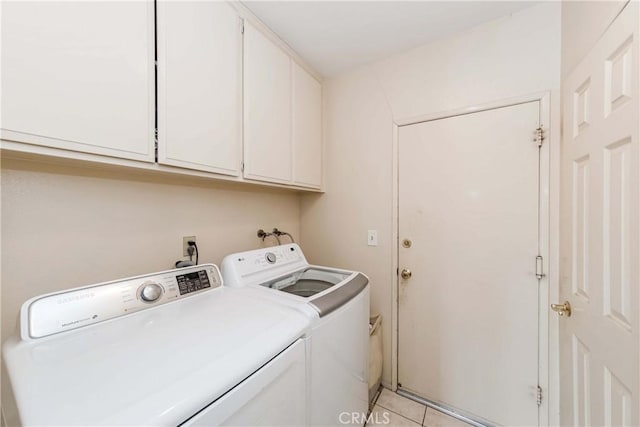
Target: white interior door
[
  {"x": 599, "y": 223},
  {"x": 468, "y": 316}
]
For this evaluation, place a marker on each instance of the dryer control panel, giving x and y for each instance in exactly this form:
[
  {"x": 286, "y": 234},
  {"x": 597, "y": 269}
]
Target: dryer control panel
[{"x": 63, "y": 311}]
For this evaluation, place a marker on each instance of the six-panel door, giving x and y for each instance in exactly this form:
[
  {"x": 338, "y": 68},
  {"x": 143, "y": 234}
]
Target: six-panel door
[{"x": 599, "y": 346}]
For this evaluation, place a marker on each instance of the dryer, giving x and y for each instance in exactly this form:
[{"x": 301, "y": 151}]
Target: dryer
[
  {"x": 169, "y": 348},
  {"x": 339, "y": 302}
]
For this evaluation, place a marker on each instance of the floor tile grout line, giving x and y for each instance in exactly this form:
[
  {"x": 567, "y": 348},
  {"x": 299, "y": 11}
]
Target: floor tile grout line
[
  {"x": 402, "y": 398},
  {"x": 374, "y": 401},
  {"x": 377, "y": 395},
  {"x": 445, "y": 415},
  {"x": 398, "y": 413},
  {"x": 426, "y": 407}
]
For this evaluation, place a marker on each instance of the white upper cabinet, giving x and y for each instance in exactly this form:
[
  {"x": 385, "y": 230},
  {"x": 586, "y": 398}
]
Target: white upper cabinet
[
  {"x": 79, "y": 76},
  {"x": 200, "y": 86},
  {"x": 267, "y": 109},
  {"x": 282, "y": 116},
  {"x": 307, "y": 128}
]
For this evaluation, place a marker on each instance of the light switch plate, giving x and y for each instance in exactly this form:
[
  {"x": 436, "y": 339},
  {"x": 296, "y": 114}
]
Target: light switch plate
[{"x": 372, "y": 237}]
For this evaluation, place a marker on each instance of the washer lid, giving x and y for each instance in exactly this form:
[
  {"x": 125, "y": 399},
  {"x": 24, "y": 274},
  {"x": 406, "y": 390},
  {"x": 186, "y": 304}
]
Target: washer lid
[
  {"x": 323, "y": 288},
  {"x": 155, "y": 367}
]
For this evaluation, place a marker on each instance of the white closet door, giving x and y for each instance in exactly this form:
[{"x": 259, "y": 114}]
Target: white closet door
[
  {"x": 199, "y": 86},
  {"x": 600, "y": 232},
  {"x": 267, "y": 109},
  {"x": 307, "y": 128},
  {"x": 79, "y": 76}
]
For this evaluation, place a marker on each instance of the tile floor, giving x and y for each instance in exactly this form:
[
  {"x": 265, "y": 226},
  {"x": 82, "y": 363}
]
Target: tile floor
[{"x": 400, "y": 411}]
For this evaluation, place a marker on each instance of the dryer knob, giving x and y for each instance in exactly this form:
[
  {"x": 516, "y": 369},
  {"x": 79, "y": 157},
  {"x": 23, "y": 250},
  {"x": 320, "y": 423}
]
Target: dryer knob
[
  {"x": 150, "y": 292},
  {"x": 271, "y": 257}
]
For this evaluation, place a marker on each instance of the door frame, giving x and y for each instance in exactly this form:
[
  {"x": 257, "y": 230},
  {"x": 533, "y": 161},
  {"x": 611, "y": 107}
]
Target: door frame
[{"x": 548, "y": 344}]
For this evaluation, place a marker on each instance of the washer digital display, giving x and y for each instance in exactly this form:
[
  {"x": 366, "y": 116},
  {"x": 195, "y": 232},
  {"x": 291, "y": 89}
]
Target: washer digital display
[{"x": 192, "y": 282}]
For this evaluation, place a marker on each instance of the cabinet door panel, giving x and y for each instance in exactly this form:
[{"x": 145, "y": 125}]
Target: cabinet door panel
[
  {"x": 79, "y": 76},
  {"x": 267, "y": 109},
  {"x": 199, "y": 86},
  {"x": 307, "y": 128}
]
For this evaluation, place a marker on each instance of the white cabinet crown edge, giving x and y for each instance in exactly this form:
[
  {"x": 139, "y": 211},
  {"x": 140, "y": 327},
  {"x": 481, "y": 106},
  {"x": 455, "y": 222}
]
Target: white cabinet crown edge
[{"x": 247, "y": 15}]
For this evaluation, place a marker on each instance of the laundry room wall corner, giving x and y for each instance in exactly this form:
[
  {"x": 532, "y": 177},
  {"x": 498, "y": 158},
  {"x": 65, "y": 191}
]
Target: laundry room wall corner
[
  {"x": 510, "y": 57},
  {"x": 358, "y": 128}
]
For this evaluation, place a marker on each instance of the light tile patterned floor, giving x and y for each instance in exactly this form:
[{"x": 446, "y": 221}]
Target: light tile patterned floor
[{"x": 391, "y": 409}]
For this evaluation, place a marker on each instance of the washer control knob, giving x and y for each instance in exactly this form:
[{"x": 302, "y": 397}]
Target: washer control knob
[
  {"x": 150, "y": 291},
  {"x": 271, "y": 257}
]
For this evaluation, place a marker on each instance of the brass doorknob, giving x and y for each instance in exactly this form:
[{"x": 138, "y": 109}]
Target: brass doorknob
[
  {"x": 405, "y": 273},
  {"x": 562, "y": 309}
]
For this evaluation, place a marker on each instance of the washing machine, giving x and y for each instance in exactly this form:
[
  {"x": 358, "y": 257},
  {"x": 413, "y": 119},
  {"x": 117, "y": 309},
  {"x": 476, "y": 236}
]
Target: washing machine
[
  {"x": 339, "y": 315},
  {"x": 169, "y": 348}
]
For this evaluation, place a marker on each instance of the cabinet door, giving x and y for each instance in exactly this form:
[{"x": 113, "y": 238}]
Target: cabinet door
[
  {"x": 307, "y": 128},
  {"x": 267, "y": 109},
  {"x": 79, "y": 76},
  {"x": 199, "y": 86}
]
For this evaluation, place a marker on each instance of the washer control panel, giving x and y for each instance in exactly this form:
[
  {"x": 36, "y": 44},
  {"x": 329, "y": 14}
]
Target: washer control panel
[
  {"x": 256, "y": 266},
  {"x": 271, "y": 257},
  {"x": 68, "y": 310},
  {"x": 150, "y": 291},
  {"x": 265, "y": 259},
  {"x": 193, "y": 282}
]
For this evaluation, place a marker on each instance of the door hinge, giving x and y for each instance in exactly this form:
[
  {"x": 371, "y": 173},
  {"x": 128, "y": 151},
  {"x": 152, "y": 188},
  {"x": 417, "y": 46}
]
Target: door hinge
[
  {"x": 539, "y": 396},
  {"x": 242, "y": 167},
  {"x": 539, "y": 136},
  {"x": 241, "y": 26},
  {"x": 539, "y": 267}
]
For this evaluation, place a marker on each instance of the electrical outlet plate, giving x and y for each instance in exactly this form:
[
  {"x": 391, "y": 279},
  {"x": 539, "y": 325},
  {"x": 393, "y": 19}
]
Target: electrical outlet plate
[{"x": 185, "y": 244}]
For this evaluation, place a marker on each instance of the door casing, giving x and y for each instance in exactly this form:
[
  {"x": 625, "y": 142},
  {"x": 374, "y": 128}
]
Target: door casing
[{"x": 549, "y": 242}]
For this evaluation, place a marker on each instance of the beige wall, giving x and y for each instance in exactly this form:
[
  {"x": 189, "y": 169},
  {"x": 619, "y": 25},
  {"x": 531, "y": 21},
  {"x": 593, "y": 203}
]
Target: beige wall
[
  {"x": 512, "y": 56},
  {"x": 64, "y": 227}
]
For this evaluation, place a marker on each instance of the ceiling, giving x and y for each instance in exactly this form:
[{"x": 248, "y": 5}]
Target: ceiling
[{"x": 336, "y": 36}]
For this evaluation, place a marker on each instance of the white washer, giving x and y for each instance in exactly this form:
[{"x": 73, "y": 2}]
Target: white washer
[
  {"x": 338, "y": 362},
  {"x": 168, "y": 348}
]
